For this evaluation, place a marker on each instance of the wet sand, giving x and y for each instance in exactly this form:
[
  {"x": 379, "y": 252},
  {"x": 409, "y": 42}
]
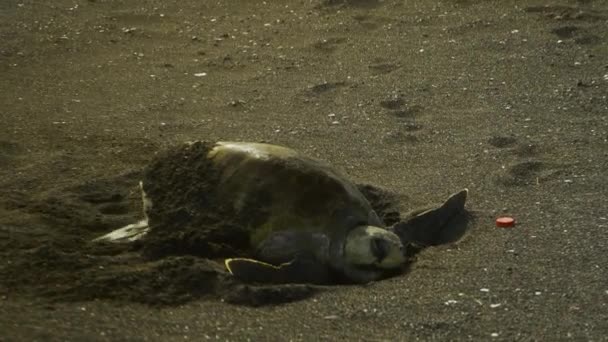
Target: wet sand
[{"x": 424, "y": 98}]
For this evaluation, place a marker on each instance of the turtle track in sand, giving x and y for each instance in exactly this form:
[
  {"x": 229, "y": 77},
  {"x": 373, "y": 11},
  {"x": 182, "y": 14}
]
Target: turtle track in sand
[{"x": 56, "y": 260}]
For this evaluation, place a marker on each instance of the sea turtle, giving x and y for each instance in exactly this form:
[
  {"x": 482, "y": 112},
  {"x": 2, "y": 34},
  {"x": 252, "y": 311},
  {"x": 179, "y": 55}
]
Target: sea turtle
[{"x": 306, "y": 222}]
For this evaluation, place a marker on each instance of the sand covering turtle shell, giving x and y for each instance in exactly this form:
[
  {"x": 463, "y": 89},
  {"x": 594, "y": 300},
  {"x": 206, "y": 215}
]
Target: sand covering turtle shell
[
  {"x": 179, "y": 260},
  {"x": 188, "y": 217}
]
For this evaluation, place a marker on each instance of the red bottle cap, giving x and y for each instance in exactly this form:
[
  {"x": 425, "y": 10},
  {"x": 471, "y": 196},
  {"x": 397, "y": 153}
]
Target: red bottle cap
[{"x": 505, "y": 222}]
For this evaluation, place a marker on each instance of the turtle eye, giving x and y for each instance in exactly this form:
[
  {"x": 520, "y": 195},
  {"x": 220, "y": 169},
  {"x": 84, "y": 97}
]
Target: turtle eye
[{"x": 379, "y": 248}]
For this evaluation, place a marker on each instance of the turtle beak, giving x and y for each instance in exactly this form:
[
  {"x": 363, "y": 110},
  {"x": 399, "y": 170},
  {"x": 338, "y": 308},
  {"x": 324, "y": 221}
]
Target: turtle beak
[{"x": 387, "y": 253}]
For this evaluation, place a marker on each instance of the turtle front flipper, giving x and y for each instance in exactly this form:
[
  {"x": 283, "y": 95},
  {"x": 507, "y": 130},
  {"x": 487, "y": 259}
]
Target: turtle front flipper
[
  {"x": 300, "y": 270},
  {"x": 435, "y": 225}
]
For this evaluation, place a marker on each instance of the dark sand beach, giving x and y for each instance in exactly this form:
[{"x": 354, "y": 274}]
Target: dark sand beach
[{"x": 506, "y": 98}]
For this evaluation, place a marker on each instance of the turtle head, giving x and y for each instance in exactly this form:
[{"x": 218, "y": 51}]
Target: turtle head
[{"x": 369, "y": 252}]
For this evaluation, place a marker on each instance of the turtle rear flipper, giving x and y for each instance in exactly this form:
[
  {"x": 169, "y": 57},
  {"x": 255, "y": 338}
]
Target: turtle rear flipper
[
  {"x": 128, "y": 233},
  {"x": 436, "y": 225},
  {"x": 299, "y": 270},
  {"x": 133, "y": 231}
]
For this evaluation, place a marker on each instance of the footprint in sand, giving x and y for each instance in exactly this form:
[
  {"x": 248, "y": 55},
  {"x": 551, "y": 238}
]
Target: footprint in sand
[
  {"x": 528, "y": 169},
  {"x": 526, "y": 150},
  {"x": 525, "y": 173},
  {"x": 406, "y": 121},
  {"x": 392, "y": 103},
  {"x": 329, "y": 45},
  {"x": 565, "y": 32},
  {"x": 325, "y": 87},
  {"x": 578, "y": 34},
  {"x": 566, "y": 13},
  {"x": 502, "y": 141},
  {"x": 364, "y": 4},
  {"x": 528, "y": 172},
  {"x": 370, "y": 22},
  {"x": 406, "y": 114},
  {"x": 513, "y": 146},
  {"x": 579, "y": 18},
  {"x": 380, "y": 68}
]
